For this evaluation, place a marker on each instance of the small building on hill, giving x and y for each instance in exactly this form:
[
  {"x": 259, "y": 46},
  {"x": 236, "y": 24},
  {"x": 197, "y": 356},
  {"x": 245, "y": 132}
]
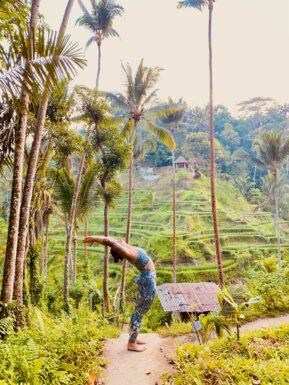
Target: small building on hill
[
  {"x": 189, "y": 298},
  {"x": 181, "y": 162}
]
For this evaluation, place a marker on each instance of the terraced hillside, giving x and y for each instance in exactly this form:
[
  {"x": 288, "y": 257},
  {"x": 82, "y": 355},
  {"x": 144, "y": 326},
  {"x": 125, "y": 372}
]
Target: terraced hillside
[{"x": 244, "y": 234}]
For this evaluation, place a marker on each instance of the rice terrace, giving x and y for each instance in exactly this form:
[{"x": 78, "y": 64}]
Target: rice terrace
[{"x": 144, "y": 201}]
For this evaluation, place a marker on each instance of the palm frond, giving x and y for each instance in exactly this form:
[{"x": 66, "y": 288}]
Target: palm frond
[
  {"x": 53, "y": 61},
  {"x": 85, "y": 200},
  {"x": 119, "y": 99},
  {"x": 198, "y": 4},
  {"x": 162, "y": 134},
  {"x": 128, "y": 129},
  {"x": 241, "y": 154},
  {"x": 284, "y": 152},
  {"x": 87, "y": 21},
  {"x": 90, "y": 41},
  {"x": 63, "y": 188},
  {"x": 111, "y": 33},
  {"x": 100, "y": 19},
  {"x": 129, "y": 84},
  {"x": 141, "y": 149},
  {"x": 169, "y": 114},
  {"x": 149, "y": 98},
  {"x": 83, "y": 7}
]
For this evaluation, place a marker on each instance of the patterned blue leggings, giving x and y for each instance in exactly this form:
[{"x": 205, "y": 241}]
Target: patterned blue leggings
[{"x": 146, "y": 283}]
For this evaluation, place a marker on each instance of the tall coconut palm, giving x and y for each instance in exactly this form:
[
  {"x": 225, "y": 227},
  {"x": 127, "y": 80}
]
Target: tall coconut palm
[
  {"x": 75, "y": 60},
  {"x": 272, "y": 151},
  {"x": 201, "y": 4},
  {"x": 172, "y": 116},
  {"x": 139, "y": 95},
  {"x": 100, "y": 22}
]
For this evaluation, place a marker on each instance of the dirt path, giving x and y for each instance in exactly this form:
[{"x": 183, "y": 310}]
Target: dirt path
[
  {"x": 265, "y": 323},
  {"x": 129, "y": 368}
]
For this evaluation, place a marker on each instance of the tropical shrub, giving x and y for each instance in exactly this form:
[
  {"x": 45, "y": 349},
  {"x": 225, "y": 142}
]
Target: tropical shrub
[
  {"x": 260, "y": 357},
  {"x": 54, "y": 351}
]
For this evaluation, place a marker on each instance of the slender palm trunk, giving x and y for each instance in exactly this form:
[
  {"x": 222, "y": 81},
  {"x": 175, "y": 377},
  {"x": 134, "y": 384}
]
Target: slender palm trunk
[
  {"x": 129, "y": 217},
  {"x": 277, "y": 225},
  {"x": 74, "y": 262},
  {"x": 212, "y": 156},
  {"x": 98, "y": 64},
  {"x": 71, "y": 222},
  {"x": 42, "y": 257},
  {"x": 31, "y": 171},
  {"x": 254, "y": 177},
  {"x": 20, "y": 138},
  {"x": 106, "y": 259},
  {"x": 85, "y": 235},
  {"x": 174, "y": 221},
  {"x": 46, "y": 247}
]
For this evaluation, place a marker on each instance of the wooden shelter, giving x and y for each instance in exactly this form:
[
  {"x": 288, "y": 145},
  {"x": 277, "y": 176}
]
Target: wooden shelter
[
  {"x": 188, "y": 298},
  {"x": 181, "y": 162}
]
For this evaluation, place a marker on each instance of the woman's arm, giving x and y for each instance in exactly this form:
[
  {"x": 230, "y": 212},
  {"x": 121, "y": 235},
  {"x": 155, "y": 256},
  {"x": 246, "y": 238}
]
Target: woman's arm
[{"x": 124, "y": 249}]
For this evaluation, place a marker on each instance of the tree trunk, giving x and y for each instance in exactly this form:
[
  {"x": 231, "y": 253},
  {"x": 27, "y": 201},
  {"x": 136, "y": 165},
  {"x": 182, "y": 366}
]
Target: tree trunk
[
  {"x": 277, "y": 226},
  {"x": 129, "y": 217},
  {"x": 212, "y": 156},
  {"x": 74, "y": 262},
  {"x": 174, "y": 221},
  {"x": 31, "y": 171},
  {"x": 254, "y": 177},
  {"x": 42, "y": 253},
  {"x": 85, "y": 235},
  {"x": 98, "y": 65},
  {"x": 106, "y": 259},
  {"x": 20, "y": 138},
  {"x": 46, "y": 246},
  {"x": 71, "y": 222}
]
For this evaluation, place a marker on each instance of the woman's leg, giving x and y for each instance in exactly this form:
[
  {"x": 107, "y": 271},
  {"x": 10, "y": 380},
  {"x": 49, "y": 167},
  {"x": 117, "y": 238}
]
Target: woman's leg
[{"x": 147, "y": 290}]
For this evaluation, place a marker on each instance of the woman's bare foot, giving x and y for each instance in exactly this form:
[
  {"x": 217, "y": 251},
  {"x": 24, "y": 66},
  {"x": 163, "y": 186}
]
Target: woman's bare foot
[
  {"x": 140, "y": 342},
  {"x": 135, "y": 347}
]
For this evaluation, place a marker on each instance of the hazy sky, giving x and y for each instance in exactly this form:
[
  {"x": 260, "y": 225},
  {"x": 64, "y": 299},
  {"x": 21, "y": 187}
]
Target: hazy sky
[{"x": 250, "y": 48}]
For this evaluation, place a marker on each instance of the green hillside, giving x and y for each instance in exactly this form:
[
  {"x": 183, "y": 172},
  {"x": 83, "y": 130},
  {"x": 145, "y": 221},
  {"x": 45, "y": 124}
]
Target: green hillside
[{"x": 244, "y": 234}]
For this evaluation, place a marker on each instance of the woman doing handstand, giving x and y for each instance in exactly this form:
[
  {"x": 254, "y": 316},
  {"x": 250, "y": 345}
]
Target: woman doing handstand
[{"x": 146, "y": 282}]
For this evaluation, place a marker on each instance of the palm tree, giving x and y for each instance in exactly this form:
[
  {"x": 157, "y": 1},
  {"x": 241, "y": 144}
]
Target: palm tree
[
  {"x": 135, "y": 103},
  {"x": 75, "y": 60},
  {"x": 99, "y": 22},
  {"x": 10, "y": 257},
  {"x": 201, "y": 4},
  {"x": 272, "y": 152},
  {"x": 171, "y": 116},
  {"x": 64, "y": 188}
]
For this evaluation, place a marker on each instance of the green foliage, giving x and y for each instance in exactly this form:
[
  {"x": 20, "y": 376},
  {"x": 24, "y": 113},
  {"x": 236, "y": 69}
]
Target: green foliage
[
  {"x": 198, "y": 144},
  {"x": 213, "y": 323},
  {"x": 54, "y": 351},
  {"x": 270, "y": 264},
  {"x": 272, "y": 287},
  {"x": 161, "y": 245},
  {"x": 233, "y": 310},
  {"x": 175, "y": 329},
  {"x": 259, "y": 357}
]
